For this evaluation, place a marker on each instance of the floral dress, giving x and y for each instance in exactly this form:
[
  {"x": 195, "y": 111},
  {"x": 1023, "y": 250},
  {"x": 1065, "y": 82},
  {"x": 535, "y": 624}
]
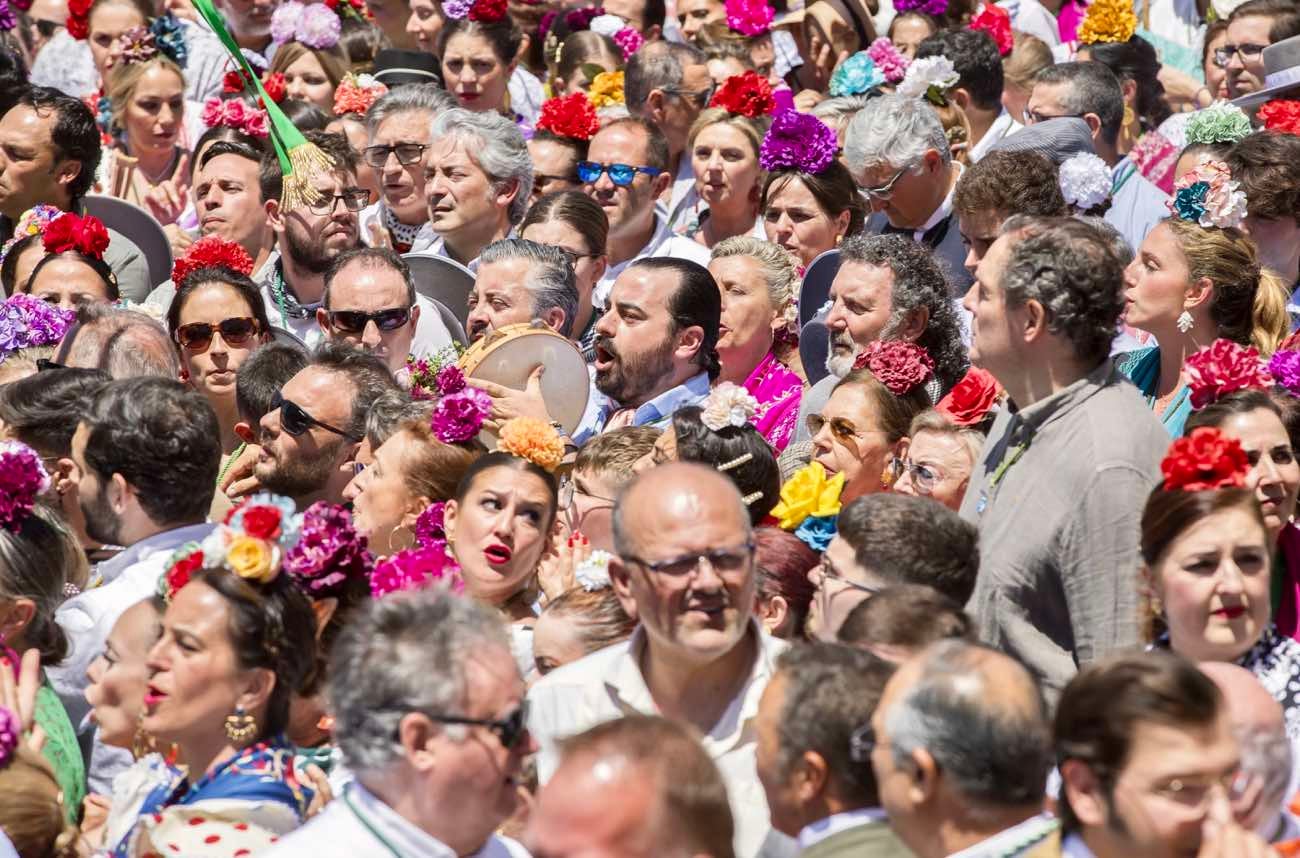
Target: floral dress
[
  {"x": 778, "y": 391},
  {"x": 240, "y": 808}
]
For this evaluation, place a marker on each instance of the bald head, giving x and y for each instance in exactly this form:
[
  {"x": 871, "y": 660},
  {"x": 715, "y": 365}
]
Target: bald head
[
  {"x": 124, "y": 343},
  {"x": 678, "y": 492},
  {"x": 1249, "y": 703}
]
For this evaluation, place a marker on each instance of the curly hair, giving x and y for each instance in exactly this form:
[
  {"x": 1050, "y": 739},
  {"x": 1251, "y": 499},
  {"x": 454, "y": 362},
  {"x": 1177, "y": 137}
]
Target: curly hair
[
  {"x": 1010, "y": 183},
  {"x": 1268, "y": 166},
  {"x": 918, "y": 282},
  {"x": 1069, "y": 268}
]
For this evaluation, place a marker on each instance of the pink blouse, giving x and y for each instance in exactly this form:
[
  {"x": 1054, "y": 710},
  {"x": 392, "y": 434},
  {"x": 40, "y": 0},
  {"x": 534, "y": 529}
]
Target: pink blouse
[{"x": 778, "y": 391}]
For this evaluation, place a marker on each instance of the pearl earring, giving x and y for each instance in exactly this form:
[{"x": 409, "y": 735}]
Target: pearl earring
[{"x": 1184, "y": 322}]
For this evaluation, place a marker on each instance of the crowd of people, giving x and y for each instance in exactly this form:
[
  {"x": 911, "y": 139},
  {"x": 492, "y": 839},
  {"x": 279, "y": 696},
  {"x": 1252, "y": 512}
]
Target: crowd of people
[{"x": 645, "y": 429}]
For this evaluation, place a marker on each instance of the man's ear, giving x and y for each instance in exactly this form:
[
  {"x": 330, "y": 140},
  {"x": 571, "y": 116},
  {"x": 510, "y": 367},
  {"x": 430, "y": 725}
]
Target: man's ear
[
  {"x": 67, "y": 172},
  {"x": 274, "y": 217},
  {"x": 661, "y": 183},
  {"x": 1094, "y": 123},
  {"x": 1083, "y": 791},
  {"x": 245, "y": 433},
  {"x": 655, "y": 105},
  {"x": 961, "y": 98},
  {"x": 553, "y": 318}
]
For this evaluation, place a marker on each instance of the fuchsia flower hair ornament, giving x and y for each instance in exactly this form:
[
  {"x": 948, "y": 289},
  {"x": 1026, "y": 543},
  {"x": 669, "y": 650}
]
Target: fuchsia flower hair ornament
[
  {"x": 22, "y": 480},
  {"x": 749, "y": 17},
  {"x": 11, "y": 733},
  {"x": 899, "y": 365},
  {"x": 1221, "y": 368},
  {"x": 798, "y": 141},
  {"x": 234, "y": 113},
  {"x": 328, "y": 553}
]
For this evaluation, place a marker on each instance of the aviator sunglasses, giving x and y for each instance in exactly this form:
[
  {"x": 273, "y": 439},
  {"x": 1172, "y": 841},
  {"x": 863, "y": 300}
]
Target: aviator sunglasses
[{"x": 197, "y": 336}]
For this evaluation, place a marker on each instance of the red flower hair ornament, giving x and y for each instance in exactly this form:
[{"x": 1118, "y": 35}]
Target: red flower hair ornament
[
  {"x": 1280, "y": 114},
  {"x": 971, "y": 399},
  {"x": 1221, "y": 368},
  {"x": 899, "y": 365},
  {"x": 747, "y": 94},
  {"x": 78, "y": 20},
  {"x": 569, "y": 116},
  {"x": 995, "y": 21},
  {"x": 86, "y": 235},
  {"x": 1204, "y": 461},
  {"x": 211, "y": 252}
]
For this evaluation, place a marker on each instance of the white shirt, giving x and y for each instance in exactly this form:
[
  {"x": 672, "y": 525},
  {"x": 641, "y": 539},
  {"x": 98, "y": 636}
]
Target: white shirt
[
  {"x": 1074, "y": 847},
  {"x": 1003, "y": 126},
  {"x": 526, "y": 95},
  {"x": 1005, "y": 841},
  {"x": 339, "y": 831},
  {"x": 662, "y": 243},
  {"x": 816, "y": 832},
  {"x": 684, "y": 197},
  {"x": 608, "y": 684},
  {"x": 944, "y": 209}
]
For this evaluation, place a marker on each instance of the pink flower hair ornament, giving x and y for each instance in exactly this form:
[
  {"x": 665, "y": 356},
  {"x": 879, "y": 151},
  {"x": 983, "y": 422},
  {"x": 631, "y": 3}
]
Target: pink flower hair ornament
[
  {"x": 23, "y": 479},
  {"x": 459, "y": 416},
  {"x": 315, "y": 25},
  {"x": 749, "y": 17},
  {"x": 329, "y": 551},
  {"x": 897, "y": 364},
  {"x": 11, "y": 735},
  {"x": 416, "y": 569},
  {"x": 234, "y": 113},
  {"x": 892, "y": 64},
  {"x": 1221, "y": 368}
]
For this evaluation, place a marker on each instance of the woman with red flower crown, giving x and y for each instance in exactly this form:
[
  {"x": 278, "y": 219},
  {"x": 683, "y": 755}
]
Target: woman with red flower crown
[
  {"x": 479, "y": 46},
  {"x": 73, "y": 271},
  {"x": 1206, "y": 550}
]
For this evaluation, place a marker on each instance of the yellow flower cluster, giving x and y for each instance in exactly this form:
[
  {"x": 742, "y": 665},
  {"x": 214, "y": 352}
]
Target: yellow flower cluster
[
  {"x": 606, "y": 89},
  {"x": 253, "y": 559},
  {"x": 1108, "y": 21},
  {"x": 531, "y": 439},
  {"x": 808, "y": 494}
]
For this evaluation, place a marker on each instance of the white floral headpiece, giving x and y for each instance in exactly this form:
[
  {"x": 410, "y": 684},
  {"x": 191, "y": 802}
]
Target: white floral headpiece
[
  {"x": 1085, "y": 180},
  {"x": 728, "y": 404},
  {"x": 929, "y": 78},
  {"x": 593, "y": 573}
]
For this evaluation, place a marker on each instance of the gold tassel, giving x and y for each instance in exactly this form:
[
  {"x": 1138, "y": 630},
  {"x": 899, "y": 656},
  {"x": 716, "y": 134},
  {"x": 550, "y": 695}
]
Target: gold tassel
[{"x": 308, "y": 161}]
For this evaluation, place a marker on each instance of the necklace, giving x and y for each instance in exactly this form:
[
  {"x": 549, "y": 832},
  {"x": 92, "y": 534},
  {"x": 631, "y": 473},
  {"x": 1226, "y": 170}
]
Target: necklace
[
  {"x": 285, "y": 302},
  {"x": 230, "y": 462}
]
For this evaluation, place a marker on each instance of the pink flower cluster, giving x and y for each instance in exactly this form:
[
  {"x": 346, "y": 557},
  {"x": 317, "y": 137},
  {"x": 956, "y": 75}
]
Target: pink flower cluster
[
  {"x": 891, "y": 63},
  {"x": 22, "y": 480},
  {"x": 11, "y": 734},
  {"x": 897, "y": 364},
  {"x": 234, "y": 113},
  {"x": 458, "y": 416},
  {"x": 416, "y": 569},
  {"x": 749, "y": 17},
  {"x": 329, "y": 551},
  {"x": 629, "y": 41},
  {"x": 429, "y": 527},
  {"x": 1284, "y": 366},
  {"x": 1221, "y": 368}
]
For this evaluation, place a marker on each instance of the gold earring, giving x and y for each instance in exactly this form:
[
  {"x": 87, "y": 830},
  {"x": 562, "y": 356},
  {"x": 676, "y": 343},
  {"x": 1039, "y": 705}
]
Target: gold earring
[
  {"x": 142, "y": 744},
  {"x": 1129, "y": 116},
  {"x": 241, "y": 726}
]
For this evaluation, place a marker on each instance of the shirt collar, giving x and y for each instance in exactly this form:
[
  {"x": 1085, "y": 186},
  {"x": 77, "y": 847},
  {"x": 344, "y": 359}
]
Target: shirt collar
[
  {"x": 688, "y": 393},
  {"x": 1011, "y": 840},
  {"x": 1063, "y": 401},
  {"x": 407, "y": 838},
  {"x": 166, "y": 540},
  {"x": 945, "y": 207},
  {"x": 822, "y": 829}
]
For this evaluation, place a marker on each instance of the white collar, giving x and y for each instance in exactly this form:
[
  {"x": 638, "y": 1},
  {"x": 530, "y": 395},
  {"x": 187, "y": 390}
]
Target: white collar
[
  {"x": 1007, "y": 839},
  {"x": 945, "y": 207},
  {"x": 1003, "y": 126},
  {"x": 398, "y": 832},
  {"x": 822, "y": 829}
]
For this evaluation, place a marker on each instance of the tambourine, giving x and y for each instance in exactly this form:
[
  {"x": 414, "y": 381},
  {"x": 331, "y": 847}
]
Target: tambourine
[{"x": 507, "y": 356}]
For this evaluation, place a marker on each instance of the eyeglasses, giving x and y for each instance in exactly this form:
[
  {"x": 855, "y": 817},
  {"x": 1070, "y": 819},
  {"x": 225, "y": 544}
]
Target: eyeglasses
[
  {"x": 569, "y": 490},
  {"x": 573, "y": 256},
  {"x": 354, "y": 200},
  {"x": 296, "y": 421},
  {"x": 886, "y": 191},
  {"x": 407, "y": 153},
  {"x": 924, "y": 477},
  {"x": 355, "y": 321},
  {"x": 620, "y": 174},
  {"x": 830, "y": 573},
  {"x": 1033, "y": 117},
  {"x": 699, "y": 96},
  {"x": 509, "y": 730},
  {"x": 722, "y": 560},
  {"x": 197, "y": 336},
  {"x": 1224, "y": 55},
  {"x": 861, "y": 743},
  {"x": 842, "y": 429}
]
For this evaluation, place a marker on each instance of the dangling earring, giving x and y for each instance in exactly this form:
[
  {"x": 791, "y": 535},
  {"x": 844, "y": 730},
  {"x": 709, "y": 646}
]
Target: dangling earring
[
  {"x": 1129, "y": 116},
  {"x": 241, "y": 726},
  {"x": 1184, "y": 322},
  {"x": 184, "y": 375},
  {"x": 142, "y": 744}
]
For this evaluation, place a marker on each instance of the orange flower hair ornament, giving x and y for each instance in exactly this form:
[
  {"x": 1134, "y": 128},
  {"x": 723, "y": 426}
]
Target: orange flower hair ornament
[{"x": 532, "y": 439}]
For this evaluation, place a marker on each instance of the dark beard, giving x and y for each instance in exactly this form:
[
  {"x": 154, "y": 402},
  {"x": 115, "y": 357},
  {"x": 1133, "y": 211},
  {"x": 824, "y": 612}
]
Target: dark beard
[
  {"x": 297, "y": 478},
  {"x": 632, "y": 379},
  {"x": 102, "y": 525},
  {"x": 309, "y": 252}
]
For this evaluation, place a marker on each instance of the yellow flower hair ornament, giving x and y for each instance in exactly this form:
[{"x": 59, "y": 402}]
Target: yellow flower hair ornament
[
  {"x": 606, "y": 89},
  {"x": 532, "y": 439},
  {"x": 809, "y": 505},
  {"x": 250, "y": 543},
  {"x": 1108, "y": 21}
]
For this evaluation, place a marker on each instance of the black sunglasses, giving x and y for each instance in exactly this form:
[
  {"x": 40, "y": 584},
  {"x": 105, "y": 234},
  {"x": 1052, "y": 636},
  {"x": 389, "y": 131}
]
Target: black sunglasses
[
  {"x": 355, "y": 321},
  {"x": 508, "y": 730},
  {"x": 197, "y": 336},
  {"x": 295, "y": 421}
]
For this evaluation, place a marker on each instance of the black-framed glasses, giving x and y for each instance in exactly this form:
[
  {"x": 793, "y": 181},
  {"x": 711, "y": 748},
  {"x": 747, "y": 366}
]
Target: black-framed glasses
[
  {"x": 1223, "y": 55},
  {"x": 197, "y": 336},
  {"x": 830, "y": 573},
  {"x": 924, "y": 477},
  {"x": 407, "y": 153},
  {"x": 508, "y": 730},
  {"x": 721, "y": 560},
  {"x": 354, "y": 200},
  {"x": 589, "y": 172},
  {"x": 296, "y": 421},
  {"x": 573, "y": 256},
  {"x": 699, "y": 96},
  {"x": 886, "y": 191},
  {"x": 355, "y": 321}
]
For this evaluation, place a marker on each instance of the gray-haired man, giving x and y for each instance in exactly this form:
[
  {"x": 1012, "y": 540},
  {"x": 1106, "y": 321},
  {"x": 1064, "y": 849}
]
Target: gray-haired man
[
  {"x": 519, "y": 281},
  {"x": 429, "y": 714}
]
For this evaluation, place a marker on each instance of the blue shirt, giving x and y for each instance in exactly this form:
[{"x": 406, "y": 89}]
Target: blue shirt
[
  {"x": 1136, "y": 205},
  {"x": 655, "y": 412}
]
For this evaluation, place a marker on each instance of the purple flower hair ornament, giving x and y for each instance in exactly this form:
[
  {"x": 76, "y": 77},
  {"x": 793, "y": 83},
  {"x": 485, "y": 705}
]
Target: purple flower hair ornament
[
  {"x": 11, "y": 734},
  {"x": 459, "y": 416},
  {"x": 798, "y": 141},
  {"x": 27, "y": 322},
  {"x": 1284, "y": 366},
  {"x": 934, "y": 8},
  {"x": 22, "y": 479},
  {"x": 329, "y": 551}
]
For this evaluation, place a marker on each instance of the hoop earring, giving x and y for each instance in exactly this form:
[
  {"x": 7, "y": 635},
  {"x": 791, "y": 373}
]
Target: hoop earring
[{"x": 240, "y": 727}]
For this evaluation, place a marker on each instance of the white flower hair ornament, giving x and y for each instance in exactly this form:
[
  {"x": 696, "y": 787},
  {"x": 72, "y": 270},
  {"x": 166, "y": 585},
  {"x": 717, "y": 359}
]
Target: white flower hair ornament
[
  {"x": 929, "y": 78},
  {"x": 728, "y": 405},
  {"x": 1207, "y": 195},
  {"x": 593, "y": 573},
  {"x": 1085, "y": 181},
  {"x": 607, "y": 25}
]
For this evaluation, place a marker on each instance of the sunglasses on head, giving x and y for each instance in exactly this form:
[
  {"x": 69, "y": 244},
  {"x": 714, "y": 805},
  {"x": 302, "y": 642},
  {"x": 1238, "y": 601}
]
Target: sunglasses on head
[
  {"x": 355, "y": 321},
  {"x": 197, "y": 336},
  {"x": 296, "y": 421},
  {"x": 620, "y": 174}
]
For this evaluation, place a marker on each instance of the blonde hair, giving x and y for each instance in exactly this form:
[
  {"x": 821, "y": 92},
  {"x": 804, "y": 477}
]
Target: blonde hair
[
  {"x": 32, "y": 814},
  {"x": 431, "y": 468},
  {"x": 777, "y": 266},
  {"x": 597, "y": 616},
  {"x": 1029, "y": 55},
  {"x": 1249, "y": 304},
  {"x": 124, "y": 78},
  {"x": 972, "y": 440},
  {"x": 753, "y": 129},
  {"x": 333, "y": 61},
  {"x": 612, "y": 454}
]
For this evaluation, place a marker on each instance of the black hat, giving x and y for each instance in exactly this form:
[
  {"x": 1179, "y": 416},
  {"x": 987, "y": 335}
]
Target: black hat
[{"x": 395, "y": 68}]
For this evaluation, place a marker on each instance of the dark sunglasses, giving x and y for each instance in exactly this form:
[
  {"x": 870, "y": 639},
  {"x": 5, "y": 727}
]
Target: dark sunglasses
[
  {"x": 508, "y": 730},
  {"x": 197, "y": 336},
  {"x": 407, "y": 153},
  {"x": 295, "y": 421},
  {"x": 620, "y": 174},
  {"x": 355, "y": 321},
  {"x": 840, "y": 428}
]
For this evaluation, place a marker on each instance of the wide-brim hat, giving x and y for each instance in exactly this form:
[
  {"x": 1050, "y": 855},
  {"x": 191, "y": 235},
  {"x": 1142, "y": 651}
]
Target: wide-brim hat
[
  {"x": 1281, "y": 72},
  {"x": 140, "y": 227},
  {"x": 1057, "y": 139},
  {"x": 442, "y": 280},
  {"x": 395, "y": 67}
]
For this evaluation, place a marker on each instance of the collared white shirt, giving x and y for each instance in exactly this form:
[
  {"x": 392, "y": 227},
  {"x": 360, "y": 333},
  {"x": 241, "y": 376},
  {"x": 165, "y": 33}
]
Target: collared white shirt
[
  {"x": 608, "y": 684},
  {"x": 944, "y": 209},
  {"x": 662, "y": 243},
  {"x": 374, "y": 214},
  {"x": 359, "y": 823},
  {"x": 1003, "y": 126},
  {"x": 815, "y": 832},
  {"x": 1005, "y": 841}
]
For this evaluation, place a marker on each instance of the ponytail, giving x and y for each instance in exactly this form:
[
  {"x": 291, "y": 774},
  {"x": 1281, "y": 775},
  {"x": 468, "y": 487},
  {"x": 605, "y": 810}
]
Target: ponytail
[{"x": 1269, "y": 319}]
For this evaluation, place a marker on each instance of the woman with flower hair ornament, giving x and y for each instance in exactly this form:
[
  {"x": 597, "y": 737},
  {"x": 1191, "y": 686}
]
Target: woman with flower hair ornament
[
  {"x": 308, "y": 52},
  {"x": 479, "y": 48},
  {"x": 559, "y": 142},
  {"x": 19, "y": 255},
  {"x": 580, "y": 621},
  {"x": 73, "y": 271},
  {"x": 579, "y": 57},
  {"x": 1205, "y": 574},
  {"x": 1210, "y": 133},
  {"x": 1193, "y": 282},
  {"x": 237, "y": 641}
]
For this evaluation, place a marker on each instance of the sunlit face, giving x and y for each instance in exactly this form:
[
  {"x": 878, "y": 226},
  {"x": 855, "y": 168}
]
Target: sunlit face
[
  {"x": 212, "y": 370},
  {"x": 681, "y": 109},
  {"x": 315, "y": 240},
  {"x": 636, "y": 350},
  {"x": 991, "y": 343},
  {"x": 937, "y": 465},
  {"x": 796, "y": 221},
  {"x": 1047, "y": 101},
  {"x": 556, "y": 641},
  {"x": 308, "y": 464},
  {"x": 770, "y": 765},
  {"x": 305, "y": 80},
  {"x": 195, "y": 680},
  {"x": 748, "y": 317},
  {"x": 371, "y": 290},
  {"x": 249, "y": 20},
  {"x": 555, "y": 168},
  {"x": 499, "y": 531},
  {"x": 589, "y": 262},
  {"x": 69, "y": 283},
  {"x": 458, "y": 193},
  {"x": 913, "y": 192},
  {"x": 29, "y": 173},
  {"x": 908, "y": 32},
  {"x": 474, "y": 73},
  {"x": 385, "y": 509},
  {"x": 726, "y": 169},
  {"x": 841, "y": 585},
  {"x": 402, "y": 185},
  {"x": 106, "y": 24},
  {"x": 591, "y": 511},
  {"x": 424, "y": 24},
  {"x": 1274, "y": 473},
  {"x": 630, "y": 209},
  {"x": 1213, "y": 582},
  {"x": 155, "y": 113},
  {"x": 500, "y": 297},
  {"x": 1216, "y": 76},
  {"x": 228, "y": 201},
  {"x": 979, "y": 230},
  {"x": 851, "y": 442},
  {"x": 1245, "y": 74},
  {"x": 693, "y": 15},
  {"x": 862, "y": 299},
  {"x": 1155, "y": 282},
  {"x": 119, "y": 675}
]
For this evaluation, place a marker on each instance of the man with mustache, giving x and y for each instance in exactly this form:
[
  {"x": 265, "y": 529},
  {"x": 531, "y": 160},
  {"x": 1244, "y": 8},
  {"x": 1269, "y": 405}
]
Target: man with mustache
[
  {"x": 309, "y": 237},
  {"x": 684, "y": 564}
]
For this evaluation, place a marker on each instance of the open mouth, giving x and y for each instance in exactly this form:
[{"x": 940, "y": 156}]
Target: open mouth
[
  {"x": 152, "y": 696},
  {"x": 604, "y": 358},
  {"x": 497, "y": 555}
]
